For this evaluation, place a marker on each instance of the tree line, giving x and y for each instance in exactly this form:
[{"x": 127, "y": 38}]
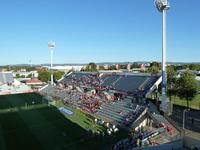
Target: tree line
[{"x": 45, "y": 75}]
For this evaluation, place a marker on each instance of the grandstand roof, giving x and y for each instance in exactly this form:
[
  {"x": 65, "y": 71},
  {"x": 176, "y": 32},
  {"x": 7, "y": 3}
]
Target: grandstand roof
[
  {"x": 129, "y": 82},
  {"x": 121, "y": 82},
  {"x": 6, "y": 77}
]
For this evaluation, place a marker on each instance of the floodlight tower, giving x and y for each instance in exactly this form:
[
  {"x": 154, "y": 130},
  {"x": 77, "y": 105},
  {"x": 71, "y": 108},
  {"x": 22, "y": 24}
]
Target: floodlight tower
[
  {"x": 51, "y": 46},
  {"x": 163, "y": 6}
]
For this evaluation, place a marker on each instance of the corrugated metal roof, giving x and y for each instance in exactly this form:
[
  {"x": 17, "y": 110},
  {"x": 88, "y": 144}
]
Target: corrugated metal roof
[{"x": 6, "y": 77}]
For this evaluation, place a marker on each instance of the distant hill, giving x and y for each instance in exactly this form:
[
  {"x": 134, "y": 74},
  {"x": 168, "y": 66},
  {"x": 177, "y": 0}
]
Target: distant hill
[{"x": 99, "y": 63}]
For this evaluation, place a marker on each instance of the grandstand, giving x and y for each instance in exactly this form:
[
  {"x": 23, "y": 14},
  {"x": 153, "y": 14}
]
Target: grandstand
[
  {"x": 121, "y": 82},
  {"x": 116, "y": 99},
  {"x": 121, "y": 113},
  {"x": 130, "y": 83},
  {"x": 6, "y": 78}
]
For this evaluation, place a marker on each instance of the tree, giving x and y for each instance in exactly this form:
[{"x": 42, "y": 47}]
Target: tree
[
  {"x": 123, "y": 66},
  {"x": 101, "y": 68},
  {"x": 187, "y": 86},
  {"x": 30, "y": 75},
  {"x": 170, "y": 74},
  {"x": 91, "y": 67},
  {"x": 153, "y": 70},
  {"x": 22, "y": 76},
  {"x": 171, "y": 81},
  {"x": 44, "y": 76},
  {"x": 112, "y": 67},
  {"x": 194, "y": 67},
  {"x": 135, "y": 65},
  {"x": 29, "y": 68},
  {"x": 17, "y": 76},
  {"x": 58, "y": 75},
  {"x": 154, "y": 63}
]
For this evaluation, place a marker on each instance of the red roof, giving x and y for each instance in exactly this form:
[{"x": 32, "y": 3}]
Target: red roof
[{"x": 34, "y": 81}]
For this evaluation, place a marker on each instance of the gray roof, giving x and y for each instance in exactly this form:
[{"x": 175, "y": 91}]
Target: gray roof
[
  {"x": 6, "y": 77},
  {"x": 124, "y": 82},
  {"x": 129, "y": 83}
]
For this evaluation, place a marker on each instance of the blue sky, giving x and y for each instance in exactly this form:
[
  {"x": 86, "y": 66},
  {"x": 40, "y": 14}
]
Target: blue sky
[{"x": 97, "y": 30}]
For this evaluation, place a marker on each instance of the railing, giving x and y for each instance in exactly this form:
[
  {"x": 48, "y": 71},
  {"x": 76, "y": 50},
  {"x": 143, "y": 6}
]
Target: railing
[{"x": 178, "y": 144}]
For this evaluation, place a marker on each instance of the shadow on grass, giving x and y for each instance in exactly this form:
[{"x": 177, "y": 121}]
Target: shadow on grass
[{"x": 45, "y": 128}]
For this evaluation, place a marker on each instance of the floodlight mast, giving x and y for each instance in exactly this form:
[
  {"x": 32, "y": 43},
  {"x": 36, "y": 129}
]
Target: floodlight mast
[
  {"x": 163, "y": 6},
  {"x": 51, "y": 46}
]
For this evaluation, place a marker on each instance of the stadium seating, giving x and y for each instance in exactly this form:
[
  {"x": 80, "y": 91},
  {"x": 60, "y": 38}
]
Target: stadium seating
[
  {"x": 128, "y": 83},
  {"x": 121, "y": 111},
  {"x": 6, "y": 78}
]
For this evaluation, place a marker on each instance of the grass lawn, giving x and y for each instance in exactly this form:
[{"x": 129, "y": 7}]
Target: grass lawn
[
  {"x": 81, "y": 118},
  {"x": 28, "y": 125},
  {"x": 195, "y": 103}
]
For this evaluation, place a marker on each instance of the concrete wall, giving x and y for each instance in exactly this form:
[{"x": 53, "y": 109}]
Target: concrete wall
[
  {"x": 191, "y": 140},
  {"x": 170, "y": 146}
]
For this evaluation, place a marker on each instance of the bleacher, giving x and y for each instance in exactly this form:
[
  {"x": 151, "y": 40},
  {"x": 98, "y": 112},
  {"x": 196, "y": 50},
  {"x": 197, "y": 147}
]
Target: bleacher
[
  {"x": 48, "y": 90},
  {"x": 129, "y": 83},
  {"x": 108, "y": 81},
  {"x": 6, "y": 78},
  {"x": 123, "y": 82},
  {"x": 116, "y": 99},
  {"x": 82, "y": 79},
  {"x": 121, "y": 112}
]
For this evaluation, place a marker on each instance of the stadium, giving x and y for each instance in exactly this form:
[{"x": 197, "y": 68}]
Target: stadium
[
  {"x": 107, "y": 104},
  {"x": 86, "y": 110}
]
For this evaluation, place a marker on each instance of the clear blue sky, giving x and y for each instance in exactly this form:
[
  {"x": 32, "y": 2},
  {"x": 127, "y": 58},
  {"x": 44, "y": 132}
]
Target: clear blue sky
[{"x": 97, "y": 30}]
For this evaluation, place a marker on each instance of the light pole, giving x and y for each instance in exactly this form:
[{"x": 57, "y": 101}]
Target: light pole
[
  {"x": 163, "y": 6},
  {"x": 51, "y": 46},
  {"x": 184, "y": 111}
]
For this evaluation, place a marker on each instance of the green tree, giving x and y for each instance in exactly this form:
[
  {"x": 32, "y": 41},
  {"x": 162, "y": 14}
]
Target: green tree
[
  {"x": 154, "y": 63},
  {"x": 30, "y": 75},
  {"x": 58, "y": 75},
  {"x": 194, "y": 67},
  {"x": 170, "y": 74},
  {"x": 44, "y": 75},
  {"x": 153, "y": 70},
  {"x": 17, "y": 76},
  {"x": 101, "y": 68},
  {"x": 22, "y": 76},
  {"x": 91, "y": 67},
  {"x": 112, "y": 67},
  {"x": 187, "y": 86},
  {"x": 135, "y": 65},
  {"x": 171, "y": 81},
  {"x": 123, "y": 66}
]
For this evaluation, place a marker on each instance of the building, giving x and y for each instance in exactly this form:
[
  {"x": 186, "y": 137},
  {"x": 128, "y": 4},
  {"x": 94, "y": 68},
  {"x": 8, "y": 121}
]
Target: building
[{"x": 6, "y": 78}]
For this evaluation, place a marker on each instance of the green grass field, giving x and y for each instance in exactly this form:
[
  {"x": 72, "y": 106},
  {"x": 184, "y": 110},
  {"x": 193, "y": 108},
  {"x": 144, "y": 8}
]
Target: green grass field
[
  {"x": 28, "y": 126},
  {"x": 195, "y": 103}
]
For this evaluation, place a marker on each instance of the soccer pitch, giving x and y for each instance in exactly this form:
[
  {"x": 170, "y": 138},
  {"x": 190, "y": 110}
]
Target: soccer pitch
[{"x": 28, "y": 123}]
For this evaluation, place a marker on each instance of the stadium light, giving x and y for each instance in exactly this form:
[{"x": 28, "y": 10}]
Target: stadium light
[
  {"x": 51, "y": 46},
  {"x": 163, "y": 6}
]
